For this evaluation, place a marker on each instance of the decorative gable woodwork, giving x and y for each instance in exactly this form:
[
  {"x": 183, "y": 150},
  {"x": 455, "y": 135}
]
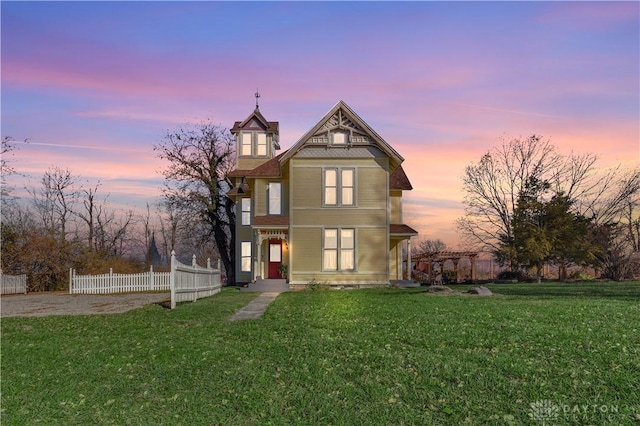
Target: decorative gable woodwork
[
  {"x": 341, "y": 118},
  {"x": 340, "y": 122}
]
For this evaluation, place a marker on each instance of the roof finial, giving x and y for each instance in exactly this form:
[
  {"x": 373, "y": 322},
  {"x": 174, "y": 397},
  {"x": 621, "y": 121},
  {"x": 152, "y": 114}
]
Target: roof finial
[{"x": 257, "y": 95}]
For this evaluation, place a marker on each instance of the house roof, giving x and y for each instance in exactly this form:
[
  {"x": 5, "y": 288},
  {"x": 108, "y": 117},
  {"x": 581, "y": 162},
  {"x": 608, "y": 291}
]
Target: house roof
[
  {"x": 262, "y": 221},
  {"x": 399, "y": 180},
  {"x": 401, "y": 229},
  {"x": 270, "y": 168},
  {"x": 271, "y": 126},
  {"x": 343, "y": 109}
]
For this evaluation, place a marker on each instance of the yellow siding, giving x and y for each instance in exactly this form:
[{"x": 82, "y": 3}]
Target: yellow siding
[
  {"x": 250, "y": 163},
  {"x": 340, "y": 217},
  {"x": 307, "y": 188},
  {"x": 396, "y": 208},
  {"x": 372, "y": 187},
  {"x": 306, "y": 250},
  {"x": 259, "y": 192},
  {"x": 372, "y": 250}
]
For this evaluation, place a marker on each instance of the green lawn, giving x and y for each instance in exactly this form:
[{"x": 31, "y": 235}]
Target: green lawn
[{"x": 362, "y": 357}]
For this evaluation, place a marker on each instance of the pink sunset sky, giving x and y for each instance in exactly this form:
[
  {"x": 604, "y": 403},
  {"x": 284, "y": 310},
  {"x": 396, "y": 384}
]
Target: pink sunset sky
[{"x": 94, "y": 85}]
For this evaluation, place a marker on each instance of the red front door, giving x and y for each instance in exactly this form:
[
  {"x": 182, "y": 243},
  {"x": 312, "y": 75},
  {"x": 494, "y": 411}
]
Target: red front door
[{"x": 275, "y": 258}]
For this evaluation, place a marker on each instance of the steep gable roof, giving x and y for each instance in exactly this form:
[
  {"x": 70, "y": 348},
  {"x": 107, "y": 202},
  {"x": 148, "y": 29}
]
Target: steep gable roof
[
  {"x": 271, "y": 126},
  {"x": 342, "y": 117}
]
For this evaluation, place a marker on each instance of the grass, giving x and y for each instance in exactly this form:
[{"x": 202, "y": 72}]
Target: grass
[{"x": 362, "y": 357}]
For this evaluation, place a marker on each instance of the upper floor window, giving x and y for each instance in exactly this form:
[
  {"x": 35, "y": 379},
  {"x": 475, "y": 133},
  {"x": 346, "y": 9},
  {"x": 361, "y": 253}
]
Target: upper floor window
[
  {"x": 246, "y": 211},
  {"x": 261, "y": 144},
  {"x": 339, "y": 187},
  {"x": 246, "y": 144},
  {"x": 274, "y": 198},
  {"x": 251, "y": 145}
]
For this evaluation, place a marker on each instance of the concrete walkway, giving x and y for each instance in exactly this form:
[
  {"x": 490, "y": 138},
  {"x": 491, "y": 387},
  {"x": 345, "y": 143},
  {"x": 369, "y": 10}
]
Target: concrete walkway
[{"x": 255, "y": 309}]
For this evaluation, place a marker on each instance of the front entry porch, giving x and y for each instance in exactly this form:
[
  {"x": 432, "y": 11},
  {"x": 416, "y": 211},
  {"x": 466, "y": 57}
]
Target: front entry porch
[{"x": 272, "y": 255}]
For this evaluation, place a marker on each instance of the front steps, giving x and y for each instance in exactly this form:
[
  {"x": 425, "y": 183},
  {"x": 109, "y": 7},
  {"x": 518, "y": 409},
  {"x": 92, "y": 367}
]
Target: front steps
[{"x": 269, "y": 285}]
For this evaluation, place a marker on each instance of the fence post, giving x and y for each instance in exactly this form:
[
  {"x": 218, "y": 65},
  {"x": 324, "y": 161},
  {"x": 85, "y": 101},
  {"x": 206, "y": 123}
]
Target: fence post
[
  {"x": 172, "y": 279},
  {"x": 218, "y": 264},
  {"x": 151, "y": 285},
  {"x": 208, "y": 263},
  {"x": 195, "y": 277},
  {"x": 70, "y": 280}
]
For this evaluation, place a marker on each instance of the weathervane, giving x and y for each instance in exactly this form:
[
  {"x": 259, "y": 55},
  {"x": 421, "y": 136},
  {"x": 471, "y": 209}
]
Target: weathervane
[{"x": 257, "y": 95}]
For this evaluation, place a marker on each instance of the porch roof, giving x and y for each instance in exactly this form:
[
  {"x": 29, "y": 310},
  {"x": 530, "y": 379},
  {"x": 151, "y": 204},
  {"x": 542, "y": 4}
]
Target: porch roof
[
  {"x": 400, "y": 229},
  {"x": 270, "y": 221}
]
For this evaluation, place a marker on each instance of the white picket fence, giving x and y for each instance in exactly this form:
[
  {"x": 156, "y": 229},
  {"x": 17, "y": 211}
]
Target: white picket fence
[
  {"x": 189, "y": 283},
  {"x": 13, "y": 284},
  {"x": 118, "y": 283}
]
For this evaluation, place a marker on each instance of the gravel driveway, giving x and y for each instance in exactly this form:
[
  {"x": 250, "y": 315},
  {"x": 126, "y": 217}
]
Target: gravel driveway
[{"x": 58, "y": 303}]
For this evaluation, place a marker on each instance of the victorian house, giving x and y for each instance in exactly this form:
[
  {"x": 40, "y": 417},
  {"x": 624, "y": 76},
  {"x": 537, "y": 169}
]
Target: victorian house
[{"x": 328, "y": 209}]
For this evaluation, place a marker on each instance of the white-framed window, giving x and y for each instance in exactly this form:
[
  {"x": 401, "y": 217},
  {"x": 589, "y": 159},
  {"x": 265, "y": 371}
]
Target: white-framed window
[
  {"x": 338, "y": 252},
  {"x": 246, "y": 211},
  {"x": 339, "y": 187},
  {"x": 246, "y": 143},
  {"x": 274, "y": 190},
  {"x": 261, "y": 144},
  {"x": 245, "y": 256}
]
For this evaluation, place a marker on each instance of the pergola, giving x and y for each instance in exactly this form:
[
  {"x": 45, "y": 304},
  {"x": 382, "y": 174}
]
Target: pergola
[{"x": 439, "y": 257}]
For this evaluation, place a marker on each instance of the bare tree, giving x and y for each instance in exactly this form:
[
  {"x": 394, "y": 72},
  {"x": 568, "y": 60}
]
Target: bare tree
[
  {"x": 431, "y": 246},
  {"x": 6, "y": 169},
  {"x": 112, "y": 232},
  {"x": 169, "y": 222},
  {"x": 93, "y": 209},
  {"x": 492, "y": 187},
  {"x": 55, "y": 200},
  {"x": 200, "y": 158}
]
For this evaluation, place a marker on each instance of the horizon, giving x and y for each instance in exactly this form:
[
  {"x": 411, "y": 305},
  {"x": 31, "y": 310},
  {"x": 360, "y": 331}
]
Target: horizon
[{"x": 93, "y": 86}]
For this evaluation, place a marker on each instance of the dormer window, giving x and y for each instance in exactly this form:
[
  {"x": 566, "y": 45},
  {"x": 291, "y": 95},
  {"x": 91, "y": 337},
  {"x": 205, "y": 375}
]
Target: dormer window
[
  {"x": 340, "y": 138},
  {"x": 262, "y": 144},
  {"x": 253, "y": 144},
  {"x": 246, "y": 144}
]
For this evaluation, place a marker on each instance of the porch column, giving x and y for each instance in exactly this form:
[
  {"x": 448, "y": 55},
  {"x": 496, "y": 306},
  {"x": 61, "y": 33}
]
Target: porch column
[
  {"x": 256, "y": 266},
  {"x": 409, "y": 266},
  {"x": 473, "y": 268},
  {"x": 455, "y": 269}
]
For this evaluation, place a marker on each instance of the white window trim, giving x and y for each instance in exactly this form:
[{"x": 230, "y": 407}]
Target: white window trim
[{"x": 339, "y": 187}]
